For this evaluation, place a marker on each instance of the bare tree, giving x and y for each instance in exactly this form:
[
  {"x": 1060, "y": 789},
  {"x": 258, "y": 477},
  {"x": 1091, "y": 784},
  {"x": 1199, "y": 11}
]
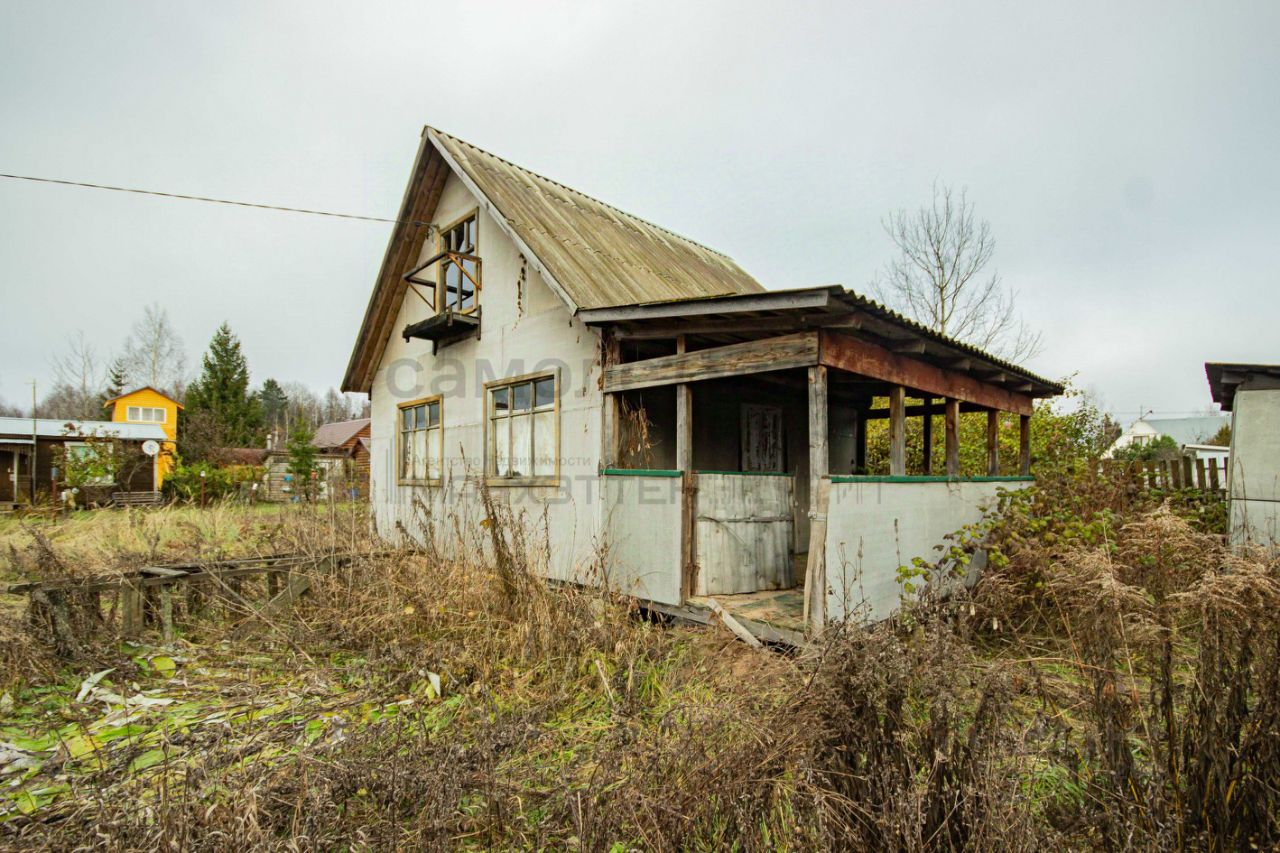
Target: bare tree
[
  {"x": 940, "y": 278},
  {"x": 336, "y": 406},
  {"x": 303, "y": 406},
  {"x": 154, "y": 353},
  {"x": 78, "y": 379}
]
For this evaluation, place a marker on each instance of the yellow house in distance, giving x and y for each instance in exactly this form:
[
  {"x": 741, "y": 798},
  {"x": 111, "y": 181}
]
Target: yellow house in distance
[{"x": 146, "y": 405}]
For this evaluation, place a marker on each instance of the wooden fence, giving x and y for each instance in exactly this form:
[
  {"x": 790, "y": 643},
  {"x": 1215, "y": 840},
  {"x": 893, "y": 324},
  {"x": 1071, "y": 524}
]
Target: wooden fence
[
  {"x": 1209, "y": 475},
  {"x": 64, "y": 610}
]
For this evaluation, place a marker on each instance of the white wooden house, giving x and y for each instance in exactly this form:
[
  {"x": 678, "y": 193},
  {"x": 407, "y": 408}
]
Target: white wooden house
[
  {"x": 642, "y": 396},
  {"x": 1187, "y": 432}
]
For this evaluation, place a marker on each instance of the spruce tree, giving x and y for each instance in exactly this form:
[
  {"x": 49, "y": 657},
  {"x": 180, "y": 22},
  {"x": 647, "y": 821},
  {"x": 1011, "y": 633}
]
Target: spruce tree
[
  {"x": 222, "y": 391},
  {"x": 117, "y": 380},
  {"x": 274, "y": 403},
  {"x": 302, "y": 460}
]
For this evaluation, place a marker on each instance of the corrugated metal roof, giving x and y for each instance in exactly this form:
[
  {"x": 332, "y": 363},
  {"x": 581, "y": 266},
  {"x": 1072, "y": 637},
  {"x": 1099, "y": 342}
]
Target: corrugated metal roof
[
  {"x": 869, "y": 304},
  {"x": 599, "y": 255},
  {"x": 53, "y": 428},
  {"x": 809, "y": 305}
]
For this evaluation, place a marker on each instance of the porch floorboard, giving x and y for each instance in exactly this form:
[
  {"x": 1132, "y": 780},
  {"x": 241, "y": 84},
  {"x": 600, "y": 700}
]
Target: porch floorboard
[{"x": 781, "y": 608}]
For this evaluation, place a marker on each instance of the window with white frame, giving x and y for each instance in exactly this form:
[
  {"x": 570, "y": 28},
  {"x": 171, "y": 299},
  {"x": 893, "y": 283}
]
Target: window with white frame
[
  {"x": 145, "y": 415},
  {"x": 420, "y": 442},
  {"x": 523, "y": 428}
]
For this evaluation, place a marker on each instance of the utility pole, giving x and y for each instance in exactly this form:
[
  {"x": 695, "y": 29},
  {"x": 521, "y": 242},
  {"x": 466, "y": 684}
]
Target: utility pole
[{"x": 35, "y": 445}]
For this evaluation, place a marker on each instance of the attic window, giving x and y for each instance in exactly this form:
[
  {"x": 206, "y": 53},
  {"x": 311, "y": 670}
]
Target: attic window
[
  {"x": 460, "y": 267},
  {"x": 145, "y": 414}
]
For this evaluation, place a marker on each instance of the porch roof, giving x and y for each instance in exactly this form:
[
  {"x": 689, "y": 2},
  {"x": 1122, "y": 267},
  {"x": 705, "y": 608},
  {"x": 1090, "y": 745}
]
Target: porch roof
[
  {"x": 20, "y": 429},
  {"x": 735, "y": 319},
  {"x": 1225, "y": 378}
]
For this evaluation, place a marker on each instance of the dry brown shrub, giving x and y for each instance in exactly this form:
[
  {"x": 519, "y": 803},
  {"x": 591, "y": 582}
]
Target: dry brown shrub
[
  {"x": 1175, "y": 642},
  {"x": 914, "y": 738}
]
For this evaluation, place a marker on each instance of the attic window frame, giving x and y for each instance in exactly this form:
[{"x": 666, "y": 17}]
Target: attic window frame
[
  {"x": 447, "y": 258},
  {"x": 139, "y": 419}
]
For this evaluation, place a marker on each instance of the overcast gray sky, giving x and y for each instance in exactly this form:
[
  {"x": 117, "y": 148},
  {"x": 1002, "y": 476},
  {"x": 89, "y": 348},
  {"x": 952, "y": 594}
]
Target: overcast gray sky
[{"x": 1125, "y": 154}]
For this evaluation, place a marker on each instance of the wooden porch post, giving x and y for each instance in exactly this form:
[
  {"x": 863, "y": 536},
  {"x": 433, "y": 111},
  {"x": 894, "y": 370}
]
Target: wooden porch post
[
  {"x": 815, "y": 581},
  {"x": 684, "y": 420},
  {"x": 897, "y": 431},
  {"x": 1024, "y": 445},
  {"x": 819, "y": 456},
  {"x": 993, "y": 443},
  {"x": 609, "y": 432},
  {"x": 860, "y": 441},
  {"x": 684, "y": 464},
  {"x": 609, "y": 425},
  {"x": 927, "y": 435},
  {"x": 953, "y": 437}
]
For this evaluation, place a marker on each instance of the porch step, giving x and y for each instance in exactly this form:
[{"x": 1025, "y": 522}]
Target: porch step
[{"x": 699, "y": 612}]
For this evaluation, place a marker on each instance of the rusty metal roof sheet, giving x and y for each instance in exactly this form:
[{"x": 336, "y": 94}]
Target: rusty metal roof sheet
[{"x": 598, "y": 255}]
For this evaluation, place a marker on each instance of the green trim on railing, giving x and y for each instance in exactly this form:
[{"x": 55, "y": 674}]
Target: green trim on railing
[
  {"x": 874, "y": 478},
  {"x": 749, "y": 473},
  {"x": 640, "y": 472}
]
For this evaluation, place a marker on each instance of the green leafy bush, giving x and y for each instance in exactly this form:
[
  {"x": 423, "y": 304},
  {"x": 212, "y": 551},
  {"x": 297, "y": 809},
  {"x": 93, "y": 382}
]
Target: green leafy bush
[{"x": 220, "y": 481}]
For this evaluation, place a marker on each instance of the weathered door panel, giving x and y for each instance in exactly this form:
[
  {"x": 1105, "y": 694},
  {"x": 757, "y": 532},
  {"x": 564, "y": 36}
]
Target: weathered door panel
[
  {"x": 8, "y": 475},
  {"x": 763, "y": 439},
  {"x": 744, "y": 533}
]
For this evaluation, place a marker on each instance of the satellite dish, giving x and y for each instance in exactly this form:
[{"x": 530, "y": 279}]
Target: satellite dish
[{"x": 150, "y": 447}]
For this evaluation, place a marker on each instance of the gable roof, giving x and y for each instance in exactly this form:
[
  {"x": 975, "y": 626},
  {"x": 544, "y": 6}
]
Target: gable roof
[
  {"x": 591, "y": 254},
  {"x": 339, "y": 433},
  {"x": 1192, "y": 430},
  {"x": 599, "y": 255},
  {"x": 151, "y": 388}
]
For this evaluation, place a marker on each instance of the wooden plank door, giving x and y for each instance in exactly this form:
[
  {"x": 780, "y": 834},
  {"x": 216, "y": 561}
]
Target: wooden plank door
[
  {"x": 744, "y": 533},
  {"x": 763, "y": 441}
]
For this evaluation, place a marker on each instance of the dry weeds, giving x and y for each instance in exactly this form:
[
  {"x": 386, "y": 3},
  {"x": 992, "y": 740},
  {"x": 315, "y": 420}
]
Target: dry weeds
[{"x": 1118, "y": 686}]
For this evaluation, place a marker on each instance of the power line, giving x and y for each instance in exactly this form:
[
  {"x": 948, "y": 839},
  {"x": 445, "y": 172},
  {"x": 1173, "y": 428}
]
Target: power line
[{"x": 159, "y": 194}]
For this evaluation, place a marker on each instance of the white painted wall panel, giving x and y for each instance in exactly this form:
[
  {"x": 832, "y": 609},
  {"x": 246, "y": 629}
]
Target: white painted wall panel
[
  {"x": 873, "y": 528},
  {"x": 1255, "y": 467},
  {"x": 643, "y": 522}
]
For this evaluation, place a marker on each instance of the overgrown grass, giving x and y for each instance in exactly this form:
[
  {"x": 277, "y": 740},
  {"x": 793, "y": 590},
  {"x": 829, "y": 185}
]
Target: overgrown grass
[
  {"x": 1112, "y": 682},
  {"x": 92, "y": 541}
]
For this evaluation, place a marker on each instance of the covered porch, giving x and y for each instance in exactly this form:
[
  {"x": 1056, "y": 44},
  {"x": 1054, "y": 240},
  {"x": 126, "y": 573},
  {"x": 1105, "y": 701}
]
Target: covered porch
[{"x": 764, "y": 415}]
